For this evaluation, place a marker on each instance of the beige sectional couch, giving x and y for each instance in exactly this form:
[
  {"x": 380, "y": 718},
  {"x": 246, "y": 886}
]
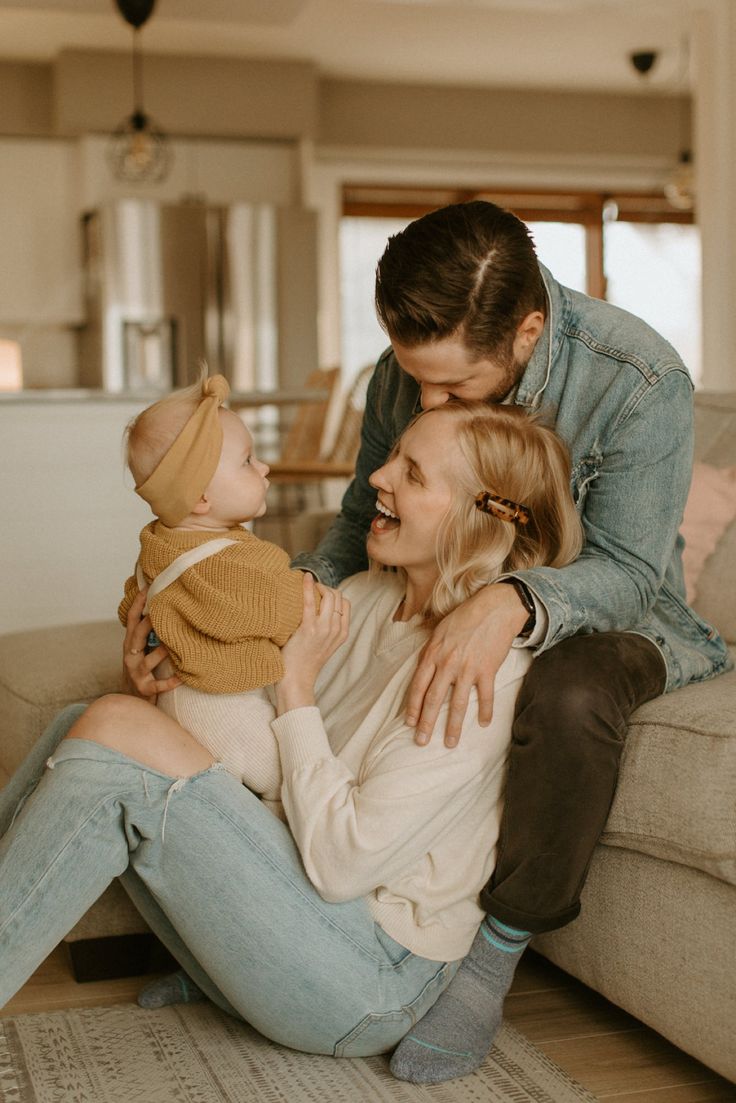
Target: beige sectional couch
[{"x": 657, "y": 934}]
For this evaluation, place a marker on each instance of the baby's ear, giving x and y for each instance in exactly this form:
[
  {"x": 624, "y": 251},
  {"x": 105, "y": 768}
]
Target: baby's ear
[{"x": 202, "y": 507}]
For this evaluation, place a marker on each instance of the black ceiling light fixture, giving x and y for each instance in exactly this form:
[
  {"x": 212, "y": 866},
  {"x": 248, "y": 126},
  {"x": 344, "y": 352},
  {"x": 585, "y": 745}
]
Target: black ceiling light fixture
[
  {"x": 138, "y": 151},
  {"x": 643, "y": 60}
]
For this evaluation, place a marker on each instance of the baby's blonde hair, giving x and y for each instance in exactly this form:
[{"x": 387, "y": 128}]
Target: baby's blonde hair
[
  {"x": 512, "y": 455},
  {"x": 149, "y": 436}
]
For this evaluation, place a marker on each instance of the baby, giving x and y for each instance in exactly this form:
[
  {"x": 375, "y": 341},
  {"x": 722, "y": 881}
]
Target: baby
[{"x": 222, "y": 601}]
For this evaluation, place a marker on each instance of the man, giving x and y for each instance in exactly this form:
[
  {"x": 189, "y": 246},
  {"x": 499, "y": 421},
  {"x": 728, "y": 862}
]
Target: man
[{"x": 470, "y": 314}]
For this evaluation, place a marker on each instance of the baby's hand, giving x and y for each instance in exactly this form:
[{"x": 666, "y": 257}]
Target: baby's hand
[{"x": 315, "y": 640}]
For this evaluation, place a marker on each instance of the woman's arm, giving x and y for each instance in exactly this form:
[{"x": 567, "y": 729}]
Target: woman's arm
[
  {"x": 321, "y": 632},
  {"x": 357, "y": 833}
]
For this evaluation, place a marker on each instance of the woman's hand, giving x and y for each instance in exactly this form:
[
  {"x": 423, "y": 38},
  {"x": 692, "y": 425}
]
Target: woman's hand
[
  {"x": 317, "y": 638},
  {"x": 138, "y": 667},
  {"x": 466, "y": 649}
]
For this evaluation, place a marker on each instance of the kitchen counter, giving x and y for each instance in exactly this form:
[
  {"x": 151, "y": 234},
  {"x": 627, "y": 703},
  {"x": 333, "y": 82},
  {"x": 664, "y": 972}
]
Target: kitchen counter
[{"x": 238, "y": 399}]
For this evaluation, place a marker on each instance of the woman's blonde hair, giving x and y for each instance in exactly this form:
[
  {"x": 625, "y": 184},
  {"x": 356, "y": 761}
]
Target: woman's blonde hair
[
  {"x": 149, "y": 436},
  {"x": 510, "y": 454}
]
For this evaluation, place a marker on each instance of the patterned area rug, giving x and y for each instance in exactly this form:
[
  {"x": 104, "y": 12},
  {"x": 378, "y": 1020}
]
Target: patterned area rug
[{"x": 196, "y": 1054}]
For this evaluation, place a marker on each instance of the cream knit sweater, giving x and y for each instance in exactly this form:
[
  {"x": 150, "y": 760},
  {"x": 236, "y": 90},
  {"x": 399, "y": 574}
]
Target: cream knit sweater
[{"x": 412, "y": 829}]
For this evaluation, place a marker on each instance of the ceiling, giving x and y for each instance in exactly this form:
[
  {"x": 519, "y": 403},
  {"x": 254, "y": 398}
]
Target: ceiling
[{"x": 561, "y": 44}]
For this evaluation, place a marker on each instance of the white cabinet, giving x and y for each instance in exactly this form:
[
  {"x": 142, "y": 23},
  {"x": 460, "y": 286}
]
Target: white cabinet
[{"x": 71, "y": 518}]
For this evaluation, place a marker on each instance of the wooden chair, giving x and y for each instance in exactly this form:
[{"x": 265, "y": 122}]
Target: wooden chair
[
  {"x": 304, "y": 472},
  {"x": 302, "y": 444},
  {"x": 303, "y": 440},
  {"x": 302, "y": 466}
]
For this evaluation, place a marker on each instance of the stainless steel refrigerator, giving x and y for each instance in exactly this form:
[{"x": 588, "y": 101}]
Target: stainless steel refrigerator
[{"x": 170, "y": 285}]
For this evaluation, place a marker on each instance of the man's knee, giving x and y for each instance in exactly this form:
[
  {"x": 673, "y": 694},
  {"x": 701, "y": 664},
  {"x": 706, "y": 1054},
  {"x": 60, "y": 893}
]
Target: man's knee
[{"x": 570, "y": 695}]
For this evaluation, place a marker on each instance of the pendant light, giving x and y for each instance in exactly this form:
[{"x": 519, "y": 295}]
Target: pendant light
[{"x": 138, "y": 152}]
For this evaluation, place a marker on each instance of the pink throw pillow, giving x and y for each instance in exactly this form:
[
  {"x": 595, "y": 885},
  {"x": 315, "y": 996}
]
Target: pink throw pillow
[{"x": 710, "y": 509}]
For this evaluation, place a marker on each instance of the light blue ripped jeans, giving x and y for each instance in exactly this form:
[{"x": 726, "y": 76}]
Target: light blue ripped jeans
[{"x": 220, "y": 881}]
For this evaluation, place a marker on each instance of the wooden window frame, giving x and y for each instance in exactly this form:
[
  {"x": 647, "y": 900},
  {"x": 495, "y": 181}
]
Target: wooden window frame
[{"x": 589, "y": 209}]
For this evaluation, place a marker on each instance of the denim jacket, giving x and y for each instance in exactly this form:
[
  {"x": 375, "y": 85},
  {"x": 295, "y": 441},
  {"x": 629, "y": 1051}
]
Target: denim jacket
[{"x": 621, "y": 398}]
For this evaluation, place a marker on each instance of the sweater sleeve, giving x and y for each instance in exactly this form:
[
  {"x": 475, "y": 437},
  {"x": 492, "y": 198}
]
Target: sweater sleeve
[{"x": 357, "y": 833}]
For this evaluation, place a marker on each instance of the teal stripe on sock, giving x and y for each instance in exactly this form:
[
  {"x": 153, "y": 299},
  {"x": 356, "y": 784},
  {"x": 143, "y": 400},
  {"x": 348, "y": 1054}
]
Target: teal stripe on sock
[
  {"x": 500, "y": 945},
  {"x": 438, "y": 1049},
  {"x": 183, "y": 985},
  {"x": 508, "y": 930}
]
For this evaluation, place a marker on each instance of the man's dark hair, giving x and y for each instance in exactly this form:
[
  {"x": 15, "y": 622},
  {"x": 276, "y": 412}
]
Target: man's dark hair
[{"x": 468, "y": 270}]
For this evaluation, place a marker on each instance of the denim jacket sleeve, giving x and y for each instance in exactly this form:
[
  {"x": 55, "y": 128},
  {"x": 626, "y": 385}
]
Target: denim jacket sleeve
[
  {"x": 341, "y": 552},
  {"x": 631, "y": 507}
]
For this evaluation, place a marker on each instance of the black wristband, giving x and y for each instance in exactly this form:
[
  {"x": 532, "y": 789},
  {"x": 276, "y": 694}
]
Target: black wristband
[{"x": 527, "y": 601}]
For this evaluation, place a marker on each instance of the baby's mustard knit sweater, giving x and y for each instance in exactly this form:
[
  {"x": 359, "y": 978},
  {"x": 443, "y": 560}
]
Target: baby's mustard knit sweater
[{"x": 224, "y": 620}]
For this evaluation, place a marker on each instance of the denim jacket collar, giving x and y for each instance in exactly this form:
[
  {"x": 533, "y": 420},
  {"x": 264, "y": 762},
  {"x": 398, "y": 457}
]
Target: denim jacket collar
[{"x": 537, "y": 373}]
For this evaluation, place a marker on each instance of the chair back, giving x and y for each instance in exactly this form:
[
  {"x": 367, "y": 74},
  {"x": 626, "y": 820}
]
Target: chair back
[
  {"x": 347, "y": 440},
  {"x": 303, "y": 440}
]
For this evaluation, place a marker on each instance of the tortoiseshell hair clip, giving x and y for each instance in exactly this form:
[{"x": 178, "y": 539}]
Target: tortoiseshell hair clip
[{"x": 503, "y": 508}]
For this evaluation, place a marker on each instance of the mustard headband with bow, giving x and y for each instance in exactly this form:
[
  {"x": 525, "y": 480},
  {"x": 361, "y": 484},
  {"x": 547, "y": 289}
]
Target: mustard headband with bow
[{"x": 181, "y": 478}]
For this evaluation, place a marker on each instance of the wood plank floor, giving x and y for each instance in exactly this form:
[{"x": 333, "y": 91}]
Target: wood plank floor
[{"x": 612, "y": 1054}]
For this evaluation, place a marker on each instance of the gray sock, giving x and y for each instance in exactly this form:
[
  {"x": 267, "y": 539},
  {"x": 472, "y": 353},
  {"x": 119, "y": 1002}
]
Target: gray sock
[
  {"x": 457, "y": 1032},
  {"x": 175, "y": 988}
]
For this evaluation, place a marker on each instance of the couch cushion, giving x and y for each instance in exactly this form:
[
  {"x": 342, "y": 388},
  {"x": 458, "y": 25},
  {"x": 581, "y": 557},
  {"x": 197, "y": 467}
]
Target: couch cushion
[
  {"x": 710, "y": 510},
  {"x": 658, "y": 940},
  {"x": 715, "y": 600},
  {"x": 46, "y": 668},
  {"x": 676, "y": 797},
  {"x": 40, "y": 672},
  {"x": 715, "y": 443},
  {"x": 715, "y": 428}
]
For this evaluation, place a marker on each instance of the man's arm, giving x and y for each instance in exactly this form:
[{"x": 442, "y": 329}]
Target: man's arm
[{"x": 631, "y": 516}]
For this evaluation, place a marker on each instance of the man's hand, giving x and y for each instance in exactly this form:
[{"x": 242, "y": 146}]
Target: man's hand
[
  {"x": 138, "y": 667},
  {"x": 466, "y": 649}
]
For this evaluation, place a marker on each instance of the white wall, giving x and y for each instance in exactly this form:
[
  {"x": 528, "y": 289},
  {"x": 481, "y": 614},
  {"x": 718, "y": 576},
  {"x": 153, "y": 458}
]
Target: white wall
[
  {"x": 220, "y": 171},
  {"x": 40, "y": 274},
  {"x": 715, "y": 168},
  {"x": 70, "y": 518}
]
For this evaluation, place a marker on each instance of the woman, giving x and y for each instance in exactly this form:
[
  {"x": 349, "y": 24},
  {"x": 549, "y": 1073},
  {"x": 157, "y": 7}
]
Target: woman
[{"x": 362, "y": 907}]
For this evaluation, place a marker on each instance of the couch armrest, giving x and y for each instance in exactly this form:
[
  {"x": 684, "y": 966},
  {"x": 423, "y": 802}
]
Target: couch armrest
[{"x": 45, "y": 669}]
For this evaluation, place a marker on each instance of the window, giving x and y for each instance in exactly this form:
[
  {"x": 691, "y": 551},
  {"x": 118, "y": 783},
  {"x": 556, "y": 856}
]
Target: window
[
  {"x": 633, "y": 250},
  {"x": 362, "y": 241},
  {"x": 654, "y": 271}
]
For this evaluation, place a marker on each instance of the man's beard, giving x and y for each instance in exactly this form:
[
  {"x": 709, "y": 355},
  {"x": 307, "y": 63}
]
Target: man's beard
[{"x": 512, "y": 373}]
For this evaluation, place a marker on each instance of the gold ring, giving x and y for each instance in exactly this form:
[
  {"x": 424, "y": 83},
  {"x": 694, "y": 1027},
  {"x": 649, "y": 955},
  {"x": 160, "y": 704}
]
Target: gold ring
[{"x": 134, "y": 651}]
